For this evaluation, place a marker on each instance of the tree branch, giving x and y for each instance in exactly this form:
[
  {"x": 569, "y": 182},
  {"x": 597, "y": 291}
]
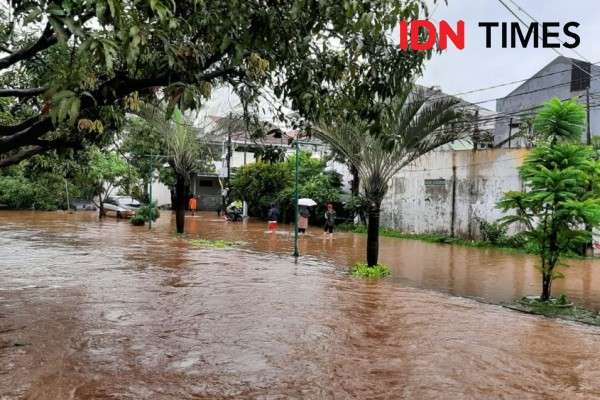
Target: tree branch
[
  {"x": 6, "y": 130},
  {"x": 46, "y": 40},
  {"x": 28, "y": 133},
  {"x": 21, "y": 155},
  {"x": 23, "y": 93}
]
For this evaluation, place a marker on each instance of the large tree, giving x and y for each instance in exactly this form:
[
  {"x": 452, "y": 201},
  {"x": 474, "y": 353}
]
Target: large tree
[
  {"x": 76, "y": 64},
  {"x": 410, "y": 125}
]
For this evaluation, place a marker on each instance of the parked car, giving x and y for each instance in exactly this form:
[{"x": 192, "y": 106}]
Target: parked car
[{"x": 121, "y": 206}]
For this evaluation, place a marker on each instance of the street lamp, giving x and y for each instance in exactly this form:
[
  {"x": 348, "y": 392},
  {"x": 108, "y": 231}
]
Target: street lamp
[
  {"x": 297, "y": 143},
  {"x": 296, "y": 253}
]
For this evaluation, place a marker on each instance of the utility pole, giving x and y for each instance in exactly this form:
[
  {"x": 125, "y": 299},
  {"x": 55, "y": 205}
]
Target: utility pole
[
  {"x": 476, "y": 131},
  {"x": 510, "y": 126},
  {"x": 453, "y": 215},
  {"x": 228, "y": 160},
  {"x": 589, "y": 128},
  {"x": 150, "y": 190}
]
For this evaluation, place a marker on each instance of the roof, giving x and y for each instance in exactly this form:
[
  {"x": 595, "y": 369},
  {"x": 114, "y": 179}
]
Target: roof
[
  {"x": 238, "y": 129},
  {"x": 544, "y": 70}
]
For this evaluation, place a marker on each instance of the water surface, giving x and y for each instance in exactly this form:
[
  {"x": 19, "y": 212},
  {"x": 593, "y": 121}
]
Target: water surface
[{"x": 104, "y": 310}]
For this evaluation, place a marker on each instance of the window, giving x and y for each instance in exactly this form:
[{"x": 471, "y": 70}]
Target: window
[
  {"x": 205, "y": 183},
  {"x": 580, "y": 75}
]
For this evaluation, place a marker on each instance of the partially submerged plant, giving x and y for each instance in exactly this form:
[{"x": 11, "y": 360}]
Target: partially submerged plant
[
  {"x": 362, "y": 270},
  {"x": 216, "y": 244}
]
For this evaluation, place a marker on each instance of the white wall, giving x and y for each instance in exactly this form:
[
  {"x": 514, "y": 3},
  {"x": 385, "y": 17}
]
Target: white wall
[{"x": 419, "y": 206}]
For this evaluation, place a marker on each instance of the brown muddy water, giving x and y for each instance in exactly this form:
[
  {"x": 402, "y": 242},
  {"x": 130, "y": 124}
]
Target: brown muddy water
[{"x": 105, "y": 310}]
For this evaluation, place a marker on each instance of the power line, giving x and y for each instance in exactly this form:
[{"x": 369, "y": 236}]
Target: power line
[
  {"x": 540, "y": 37},
  {"x": 535, "y": 20},
  {"x": 511, "y": 83}
]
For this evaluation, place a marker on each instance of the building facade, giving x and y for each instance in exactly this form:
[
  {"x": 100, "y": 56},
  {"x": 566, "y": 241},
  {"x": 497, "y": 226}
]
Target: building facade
[{"x": 564, "y": 78}]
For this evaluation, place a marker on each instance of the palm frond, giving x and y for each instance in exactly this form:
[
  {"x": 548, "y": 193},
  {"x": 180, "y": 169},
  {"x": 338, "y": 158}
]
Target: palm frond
[{"x": 412, "y": 125}]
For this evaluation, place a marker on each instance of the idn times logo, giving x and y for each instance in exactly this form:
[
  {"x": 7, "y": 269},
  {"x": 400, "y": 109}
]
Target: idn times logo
[{"x": 421, "y": 35}]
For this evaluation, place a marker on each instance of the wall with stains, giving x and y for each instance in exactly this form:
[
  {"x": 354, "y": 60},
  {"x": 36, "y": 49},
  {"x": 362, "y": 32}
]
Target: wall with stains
[{"x": 447, "y": 191}]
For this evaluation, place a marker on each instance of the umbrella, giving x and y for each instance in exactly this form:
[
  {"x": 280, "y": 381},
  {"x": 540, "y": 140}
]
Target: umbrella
[{"x": 307, "y": 202}]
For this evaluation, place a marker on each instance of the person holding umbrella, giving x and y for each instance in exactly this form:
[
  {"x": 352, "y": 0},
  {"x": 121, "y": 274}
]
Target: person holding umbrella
[{"x": 304, "y": 214}]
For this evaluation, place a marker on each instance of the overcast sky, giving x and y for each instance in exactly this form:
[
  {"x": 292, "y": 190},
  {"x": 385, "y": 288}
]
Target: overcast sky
[{"x": 477, "y": 67}]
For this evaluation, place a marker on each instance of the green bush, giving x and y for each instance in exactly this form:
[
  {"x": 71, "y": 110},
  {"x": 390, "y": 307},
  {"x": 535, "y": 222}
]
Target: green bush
[
  {"x": 262, "y": 184},
  {"x": 22, "y": 188},
  {"x": 492, "y": 232},
  {"x": 517, "y": 241},
  {"x": 362, "y": 270},
  {"x": 148, "y": 212},
  {"x": 137, "y": 220},
  {"x": 216, "y": 244}
]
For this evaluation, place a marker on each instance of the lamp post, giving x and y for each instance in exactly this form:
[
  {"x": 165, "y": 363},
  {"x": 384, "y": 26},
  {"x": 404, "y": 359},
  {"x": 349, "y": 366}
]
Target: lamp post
[
  {"x": 296, "y": 253},
  {"x": 150, "y": 193},
  {"x": 297, "y": 143}
]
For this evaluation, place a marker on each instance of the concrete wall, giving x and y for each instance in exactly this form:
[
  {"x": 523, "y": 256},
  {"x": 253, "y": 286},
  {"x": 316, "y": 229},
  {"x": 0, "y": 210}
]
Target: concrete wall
[{"x": 420, "y": 197}]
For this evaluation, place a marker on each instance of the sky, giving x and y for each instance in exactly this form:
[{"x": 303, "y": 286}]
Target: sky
[{"x": 477, "y": 67}]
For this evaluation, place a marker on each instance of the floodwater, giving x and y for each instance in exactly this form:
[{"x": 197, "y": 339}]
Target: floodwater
[{"x": 105, "y": 310}]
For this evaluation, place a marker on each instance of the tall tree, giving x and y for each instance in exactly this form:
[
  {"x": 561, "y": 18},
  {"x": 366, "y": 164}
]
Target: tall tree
[
  {"x": 86, "y": 59},
  {"x": 562, "y": 189},
  {"x": 411, "y": 125},
  {"x": 175, "y": 142}
]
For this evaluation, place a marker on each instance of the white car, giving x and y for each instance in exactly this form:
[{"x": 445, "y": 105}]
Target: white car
[{"x": 121, "y": 206}]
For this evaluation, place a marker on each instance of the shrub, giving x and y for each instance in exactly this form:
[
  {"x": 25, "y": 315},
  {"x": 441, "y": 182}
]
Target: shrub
[
  {"x": 492, "y": 232},
  {"x": 362, "y": 270},
  {"x": 148, "y": 212},
  {"x": 137, "y": 220},
  {"x": 517, "y": 241},
  {"x": 217, "y": 244}
]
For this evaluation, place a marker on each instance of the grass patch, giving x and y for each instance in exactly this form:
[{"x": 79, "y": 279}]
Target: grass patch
[
  {"x": 556, "y": 308},
  {"x": 511, "y": 244},
  {"x": 215, "y": 244},
  {"x": 362, "y": 270}
]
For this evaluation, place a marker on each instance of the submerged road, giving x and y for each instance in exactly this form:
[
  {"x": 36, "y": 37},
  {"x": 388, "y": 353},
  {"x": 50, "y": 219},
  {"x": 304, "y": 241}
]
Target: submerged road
[{"x": 105, "y": 310}]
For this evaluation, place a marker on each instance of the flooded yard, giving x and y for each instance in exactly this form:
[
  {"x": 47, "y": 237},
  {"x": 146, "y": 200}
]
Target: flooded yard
[{"x": 105, "y": 310}]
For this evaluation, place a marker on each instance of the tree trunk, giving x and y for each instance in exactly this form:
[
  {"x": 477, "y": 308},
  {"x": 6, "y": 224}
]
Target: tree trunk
[
  {"x": 101, "y": 212},
  {"x": 180, "y": 200},
  {"x": 355, "y": 190},
  {"x": 373, "y": 234},
  {"x": 546, "y": 287},
  {"x": 355, "y": 187}
]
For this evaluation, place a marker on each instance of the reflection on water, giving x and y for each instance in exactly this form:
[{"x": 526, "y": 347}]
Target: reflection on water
[{"x": 104, "y": 310}]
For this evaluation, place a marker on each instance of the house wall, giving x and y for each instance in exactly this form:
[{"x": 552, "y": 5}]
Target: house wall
[
  {"x": 552, "y": 81},
  {"x": 420, "y": 197},
  {"x": 161, "y": 193}
]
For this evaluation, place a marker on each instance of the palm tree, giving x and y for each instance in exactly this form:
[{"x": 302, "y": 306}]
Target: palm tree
[
  {"x": 412, "y": 124},
  {"x": 184, "y": 151}
]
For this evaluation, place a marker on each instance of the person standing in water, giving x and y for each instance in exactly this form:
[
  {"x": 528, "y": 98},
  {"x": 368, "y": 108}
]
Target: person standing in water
[
  {"x": 329, "y": 220},
  {"x": 303, "y": 215},
  {"x": 193, "y": 205},
  {"x": 273, "y": 217}
]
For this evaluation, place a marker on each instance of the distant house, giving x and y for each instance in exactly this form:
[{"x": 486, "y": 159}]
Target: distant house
[
  {"x": 564, "y": 78},
  {"x": 479, "y": 134},
  {"x": 232, "y": 146}
]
